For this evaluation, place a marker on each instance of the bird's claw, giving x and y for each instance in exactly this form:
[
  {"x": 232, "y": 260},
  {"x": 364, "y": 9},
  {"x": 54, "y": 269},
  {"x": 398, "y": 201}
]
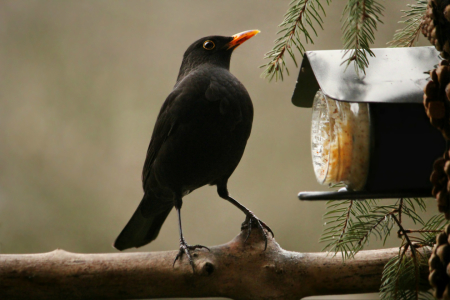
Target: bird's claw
[
  {"x": 184, "y": 249},
  {"x": 252, "y": 218}
]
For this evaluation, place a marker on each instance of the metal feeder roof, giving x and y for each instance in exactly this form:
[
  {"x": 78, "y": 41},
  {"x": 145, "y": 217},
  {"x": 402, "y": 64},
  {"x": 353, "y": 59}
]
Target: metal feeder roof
[{"x": 395, "y": 75}]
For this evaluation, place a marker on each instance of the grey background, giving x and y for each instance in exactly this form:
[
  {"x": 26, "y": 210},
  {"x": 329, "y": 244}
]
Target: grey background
[{"x": 81, "y": 85}]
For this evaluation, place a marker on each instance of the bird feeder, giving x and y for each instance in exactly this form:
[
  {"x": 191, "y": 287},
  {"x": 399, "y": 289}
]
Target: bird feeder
[{"x": 370, "y": 133}]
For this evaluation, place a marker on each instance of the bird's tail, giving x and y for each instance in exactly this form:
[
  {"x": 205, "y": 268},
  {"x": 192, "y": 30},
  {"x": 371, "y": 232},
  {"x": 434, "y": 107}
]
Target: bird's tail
[{"x": 144, "y": 225}]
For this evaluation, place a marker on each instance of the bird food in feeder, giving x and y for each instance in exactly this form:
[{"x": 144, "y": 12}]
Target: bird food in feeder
[{"x": 340, "y": 141}]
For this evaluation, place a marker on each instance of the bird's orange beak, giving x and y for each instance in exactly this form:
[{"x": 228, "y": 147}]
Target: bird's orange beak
[{"x": 241, "y": 37}]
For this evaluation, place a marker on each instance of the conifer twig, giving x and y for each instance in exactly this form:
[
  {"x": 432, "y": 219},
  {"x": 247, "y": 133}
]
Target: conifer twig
[
  {"x": 375, "y": 226},
  {"x": 298, "y": 21},
  {"x": 413, "y": 254},
  {"x": 347, "y": 219},
  {"x": 360, "y": 18},
  {"x": 408, "y": 35},
  {"x": 405, "y": 234},
  {"x": 401, "y": 278},
  {"x": 421, "y": 231}
]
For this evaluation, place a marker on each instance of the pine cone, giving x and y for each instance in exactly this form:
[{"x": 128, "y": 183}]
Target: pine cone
[
  {"x": 439, "y": 266},
  {"x": 439, "y": 179},
  {"x": 437, "y": 96},
  {"x": 436, "y": 25}
]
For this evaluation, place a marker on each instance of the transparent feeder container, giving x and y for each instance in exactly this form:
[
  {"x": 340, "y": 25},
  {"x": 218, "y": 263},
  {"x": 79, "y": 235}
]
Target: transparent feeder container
[{"x": 340, "y": 142}]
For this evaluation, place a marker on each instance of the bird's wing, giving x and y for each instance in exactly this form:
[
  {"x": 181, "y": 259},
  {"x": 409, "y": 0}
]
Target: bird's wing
[
  {"x": 227, "y": 90},
  {"x": 175, "y": 109},
  {"x": 184, "y": 101},
  {"x": 163, "y": 127}
]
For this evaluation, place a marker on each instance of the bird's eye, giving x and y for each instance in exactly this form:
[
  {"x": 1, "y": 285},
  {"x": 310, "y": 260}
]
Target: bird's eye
[{"x": 208, "y": 45}]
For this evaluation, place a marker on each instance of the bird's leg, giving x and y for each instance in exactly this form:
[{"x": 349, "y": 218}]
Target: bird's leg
[
  {"x": 184, "y": 247},
  {"x": 250, "y": 216}
]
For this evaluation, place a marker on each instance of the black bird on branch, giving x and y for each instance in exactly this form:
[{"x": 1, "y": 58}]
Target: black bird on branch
[{"x": 199, "y": 138}]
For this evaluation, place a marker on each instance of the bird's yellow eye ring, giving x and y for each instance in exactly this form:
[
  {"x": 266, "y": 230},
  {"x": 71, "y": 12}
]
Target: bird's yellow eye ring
[{"x": 209, "y": 45}]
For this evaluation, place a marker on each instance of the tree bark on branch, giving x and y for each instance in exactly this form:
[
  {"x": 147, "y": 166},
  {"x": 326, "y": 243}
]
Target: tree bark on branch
[{"x": 234, "y": 270}]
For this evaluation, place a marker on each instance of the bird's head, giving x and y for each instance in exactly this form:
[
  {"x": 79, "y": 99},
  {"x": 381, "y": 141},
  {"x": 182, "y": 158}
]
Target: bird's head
[{"x": 215, "y": 50}]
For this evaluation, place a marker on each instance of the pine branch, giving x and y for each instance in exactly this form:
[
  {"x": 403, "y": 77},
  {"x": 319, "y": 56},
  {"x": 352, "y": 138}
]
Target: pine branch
[
  {"x": 376, "y": 222},
  {"x": 347, "y": 218},
  {"x": 360, "y": 21},
  {"x": 300, "y": 18},
  {"x": 402, "y": 272},
  {"x": 410, "y": 245},
  {"x": 338, "y": 219},
  {"x": 354, "y": 222},
  {"x": 399, "y": 276},
  {"x": 408, "y": 35},
  {"x": 431, "y": 229},
  {"x": 410, "y": 208},
  {"x": 374, "y": 227}
]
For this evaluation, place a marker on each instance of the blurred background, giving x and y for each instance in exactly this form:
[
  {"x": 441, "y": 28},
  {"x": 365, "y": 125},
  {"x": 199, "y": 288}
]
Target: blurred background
[{"x": 81, "y": 85}]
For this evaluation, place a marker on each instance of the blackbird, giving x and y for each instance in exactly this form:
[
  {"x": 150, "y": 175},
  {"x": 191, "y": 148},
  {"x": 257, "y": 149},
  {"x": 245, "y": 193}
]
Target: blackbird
[{"x": 198, "y": 139}]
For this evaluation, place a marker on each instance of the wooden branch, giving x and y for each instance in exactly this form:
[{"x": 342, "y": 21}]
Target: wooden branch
[{"x": 234, "y": 270}]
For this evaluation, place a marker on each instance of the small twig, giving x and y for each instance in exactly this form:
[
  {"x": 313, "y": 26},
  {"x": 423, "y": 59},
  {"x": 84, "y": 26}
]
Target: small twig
[
  {"x": 347, "y": 218},
  {"x": 401, "y": 229},
  {"x": 364, "y": 15},
  {"x": 290, "y": 36},
  {"x": 415, "y": 35},
  {"x": 408, "y": 36},
  {"x": 375, "y": 226},
  {"x": 421, "y": 231},
  {"x": 413, "y": 252},
  {"x": 400, "y": 207},
  {"x": 405, "y": 248}
]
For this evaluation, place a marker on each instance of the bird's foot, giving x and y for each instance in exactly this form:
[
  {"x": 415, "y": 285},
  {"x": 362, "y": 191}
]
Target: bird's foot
[
  {"x": 252, "y": 220},
  {"x": 184, "y": 249}
]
